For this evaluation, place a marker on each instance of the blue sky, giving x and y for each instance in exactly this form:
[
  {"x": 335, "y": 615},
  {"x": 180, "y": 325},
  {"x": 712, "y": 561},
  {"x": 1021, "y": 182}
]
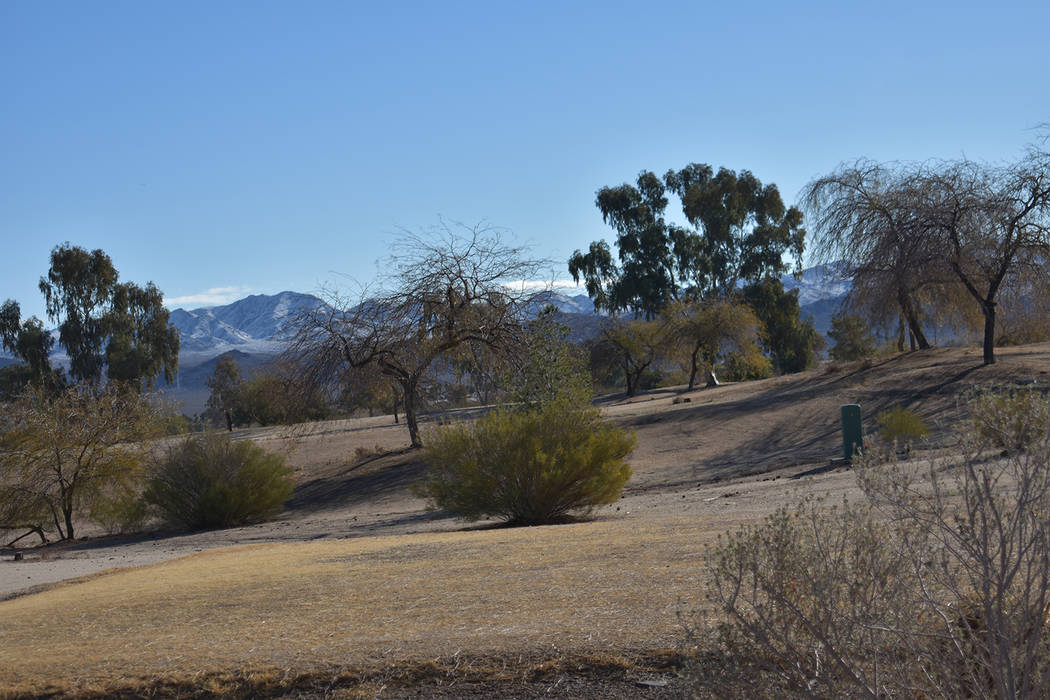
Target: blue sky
[{"x": 256, "y": 147}]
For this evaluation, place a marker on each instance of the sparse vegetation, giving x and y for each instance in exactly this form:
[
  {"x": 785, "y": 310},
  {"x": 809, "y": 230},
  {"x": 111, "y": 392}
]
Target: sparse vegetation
[
  {"x": 1012, "y": 419},
  {"x": 938, "y": 585},
  {"x": 212, "y": 481},
  {"x": 900, "y": 425}
]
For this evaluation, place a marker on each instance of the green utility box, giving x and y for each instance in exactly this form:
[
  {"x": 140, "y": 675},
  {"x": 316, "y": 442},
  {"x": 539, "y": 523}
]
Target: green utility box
[{"x": 852, "y": 435}]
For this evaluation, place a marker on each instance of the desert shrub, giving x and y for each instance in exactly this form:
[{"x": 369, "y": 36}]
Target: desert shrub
[
  {"x": 900, "y": 424},
  {"x": 527, "y": 467},
  {"x": 211, "y": 481},
  {"x": 121, "y": 513},
  {"x": 745, "y": 366},
  {"x": 1011, "y": 419},
  {"x": 936, "y": 585}
]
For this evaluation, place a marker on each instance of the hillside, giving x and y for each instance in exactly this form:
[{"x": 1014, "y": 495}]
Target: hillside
[{"x": 357, "y": 576}]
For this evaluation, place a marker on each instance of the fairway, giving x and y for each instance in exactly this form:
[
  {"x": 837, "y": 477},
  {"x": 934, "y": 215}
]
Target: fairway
[{"x": 597, "y": 587}]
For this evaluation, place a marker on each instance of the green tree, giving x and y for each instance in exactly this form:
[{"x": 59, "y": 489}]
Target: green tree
[
  {"x": 553, "y": 368},
  {"x": 739, "y": 230},
  {"x": 707, "y": 332},
  {"x": 104, "y": 324},
  {"x": 226, "y": 401},
  {"x": 791, "y": 342},
  {"x": 29, "y": 342},
  {"x": 638, "y": 343},
  {"x": 745, "y": 229},
  {"x": 73, "y": 454},
  {"x": 853, "y": 339}
]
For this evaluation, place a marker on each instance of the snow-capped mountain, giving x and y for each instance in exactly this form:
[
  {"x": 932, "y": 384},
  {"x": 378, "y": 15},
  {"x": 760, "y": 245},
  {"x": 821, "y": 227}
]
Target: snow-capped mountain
[
  {"x": 256, "y": 324},
  {"x": 819, "y": 283}
]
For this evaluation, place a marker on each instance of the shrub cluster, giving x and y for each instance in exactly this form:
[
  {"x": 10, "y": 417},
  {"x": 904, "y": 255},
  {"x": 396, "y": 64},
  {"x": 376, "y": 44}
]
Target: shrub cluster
[{"x": 210, "y": 481}]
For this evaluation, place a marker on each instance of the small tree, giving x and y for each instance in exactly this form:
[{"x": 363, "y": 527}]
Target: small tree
[
  {"x": 853, "y": 339},
  {"x": 791, "y": 341},
  {"x": 225, "y": 403},
  {"x": 639, "y": 344},
  {"x": 29, "y": 342},
  {"x": 62, "y": 456},
  {"x": 553, "y": 368},
  {"x": 709, "y": 332}
]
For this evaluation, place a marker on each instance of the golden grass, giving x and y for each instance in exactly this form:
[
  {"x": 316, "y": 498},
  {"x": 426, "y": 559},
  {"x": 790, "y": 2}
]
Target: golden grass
[{"x": 602, "y": 587}]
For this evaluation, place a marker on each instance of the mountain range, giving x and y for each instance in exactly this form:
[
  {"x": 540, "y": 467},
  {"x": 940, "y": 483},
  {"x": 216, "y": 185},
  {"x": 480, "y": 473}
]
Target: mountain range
[{"x": 256, "y": 328}]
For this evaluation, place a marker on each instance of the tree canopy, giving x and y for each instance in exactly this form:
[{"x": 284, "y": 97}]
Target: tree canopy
[
  {"x": 105, "y": 325},
  {"x": 739, "y": 230}
]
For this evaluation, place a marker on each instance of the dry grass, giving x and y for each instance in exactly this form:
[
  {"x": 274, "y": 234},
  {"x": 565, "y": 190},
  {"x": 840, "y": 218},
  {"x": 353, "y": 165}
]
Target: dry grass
[
  {"x": 393, "y": 610},
  {"x": 367, "y": 603}
]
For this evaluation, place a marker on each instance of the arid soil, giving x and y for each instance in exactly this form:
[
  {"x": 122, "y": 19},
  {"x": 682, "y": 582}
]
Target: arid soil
[{"x": 729, "y": 452}]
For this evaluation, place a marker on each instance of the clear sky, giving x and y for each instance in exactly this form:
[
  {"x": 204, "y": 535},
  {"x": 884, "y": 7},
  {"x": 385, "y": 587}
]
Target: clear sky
[{"x": 226, "y": 148}]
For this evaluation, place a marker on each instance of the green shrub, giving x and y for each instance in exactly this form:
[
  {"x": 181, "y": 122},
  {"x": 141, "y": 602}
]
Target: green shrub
[
  {"x": 748, "y": 365},
  {"x": 527, "y": 467},
  {"x": 1012, "y": 420},
  {"x": 901, "y": 425},
  {"x": 121, "y": 513},
  {"x": 212, "y": 481}
]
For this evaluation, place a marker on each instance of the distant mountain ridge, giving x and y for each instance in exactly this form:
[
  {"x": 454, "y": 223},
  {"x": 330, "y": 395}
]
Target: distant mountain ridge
[
  {"x": 256, "y": 329},
  {"x": 255, "y": 324}
]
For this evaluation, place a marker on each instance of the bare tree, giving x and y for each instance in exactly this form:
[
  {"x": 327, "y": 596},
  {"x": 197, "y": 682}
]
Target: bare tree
[
  {"x": 442, "y": 289},
  {"x": 869, "y": 216},
  {"x": 991, "y": 222}
]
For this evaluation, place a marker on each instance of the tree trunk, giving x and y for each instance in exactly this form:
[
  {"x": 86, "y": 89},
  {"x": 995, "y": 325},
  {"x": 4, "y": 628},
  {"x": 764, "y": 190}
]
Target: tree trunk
[
  {"x": 908, "y": 312},
  {"x": 692, "y": 370},
  {"x": 988, "y": 308},
  {"x": 67, "y": 511},
  {"x": 410, "y": 411},
  {"x": 900, "y": 334}
]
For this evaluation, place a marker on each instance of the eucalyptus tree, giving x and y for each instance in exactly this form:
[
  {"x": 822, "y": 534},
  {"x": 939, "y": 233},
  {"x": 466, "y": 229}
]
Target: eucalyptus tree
[
  {"x": 106, "y": 325},
  {"x": 30, "y": 343},
  {"x": 439, "y": 291},
  {"x": 739, "y": 230}
]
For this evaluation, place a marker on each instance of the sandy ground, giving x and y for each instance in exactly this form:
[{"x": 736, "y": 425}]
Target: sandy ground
[{"x": 728, "y": 455}]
